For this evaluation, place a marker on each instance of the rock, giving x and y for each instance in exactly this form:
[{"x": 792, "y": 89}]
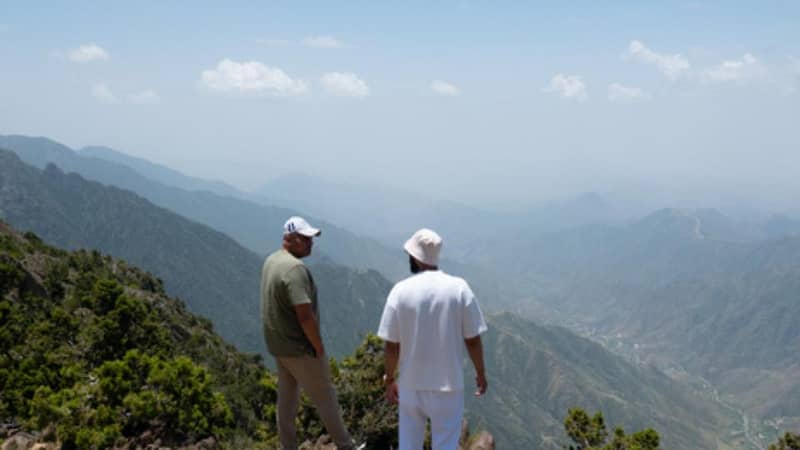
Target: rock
[
  {"x": 323, "y": 443},
  {"x": 482, "y": 441},
  {"x": 45, "y": 446},
  {"x": 8, "y": 428},
  {"x": 19, "y": 441},
  {"x": 208, "y": 443}
]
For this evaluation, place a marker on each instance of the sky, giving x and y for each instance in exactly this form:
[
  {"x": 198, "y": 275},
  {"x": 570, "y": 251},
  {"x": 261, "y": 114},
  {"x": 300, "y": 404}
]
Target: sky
[{"x": 494, "y": 104}]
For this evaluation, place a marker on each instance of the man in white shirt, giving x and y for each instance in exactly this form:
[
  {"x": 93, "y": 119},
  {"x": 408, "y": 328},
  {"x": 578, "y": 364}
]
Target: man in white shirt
[{"x": 428, "y": 319}]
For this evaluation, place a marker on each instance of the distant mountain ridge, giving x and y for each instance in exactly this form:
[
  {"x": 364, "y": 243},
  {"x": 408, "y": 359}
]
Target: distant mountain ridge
[
  {"x": 162, "y": 174},
  {"x": 355, "y": 206},
  {"x": 665, "y": 244},
  {"x": 467, "y": 228}
]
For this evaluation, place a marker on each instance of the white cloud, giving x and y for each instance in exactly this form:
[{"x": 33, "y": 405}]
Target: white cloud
[
  {"x": 87, "y": 53},
  {"x": 568, "y": 86},
  {"x": 103, "y": 93},
  {"x": 145, "y": 97},
  {"x": 736, "y": 71},
  {"x": 673, "y": 66},
  {"x": 252, "y": 78},
  {"x": 620, "y": 93},
  {"x": 345, "y": 84},
  {"x": 322, "y": 42},
  {"x": 445, "y": 88}
]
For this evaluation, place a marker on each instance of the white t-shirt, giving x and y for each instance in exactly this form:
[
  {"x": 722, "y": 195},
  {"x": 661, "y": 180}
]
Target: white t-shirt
[{"x": 430, "y": 314}]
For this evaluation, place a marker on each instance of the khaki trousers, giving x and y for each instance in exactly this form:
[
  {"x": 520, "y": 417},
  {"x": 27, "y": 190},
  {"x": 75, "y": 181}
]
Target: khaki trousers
[{"x": 314, "y": 376}]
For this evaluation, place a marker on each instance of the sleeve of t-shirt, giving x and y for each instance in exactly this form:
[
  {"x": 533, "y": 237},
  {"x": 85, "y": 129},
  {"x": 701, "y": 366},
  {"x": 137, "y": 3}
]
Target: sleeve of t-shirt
[
  {"x": 473, "y": 322},
  {"x": 298, "y": 285},
  {"x": 389, "y": 329}
]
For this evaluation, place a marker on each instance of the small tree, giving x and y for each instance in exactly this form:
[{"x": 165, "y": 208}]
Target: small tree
[
  {"x": 591, "y": 434},
  {"x": 789, "y": 441}
]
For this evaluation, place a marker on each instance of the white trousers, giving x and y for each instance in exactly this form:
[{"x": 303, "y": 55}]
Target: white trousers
[{"x": 445, "y": 411}]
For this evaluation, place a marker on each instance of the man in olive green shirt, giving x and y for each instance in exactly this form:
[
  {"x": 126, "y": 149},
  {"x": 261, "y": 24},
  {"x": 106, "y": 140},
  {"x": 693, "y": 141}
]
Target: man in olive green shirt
[{"x": 291, "y": 331}]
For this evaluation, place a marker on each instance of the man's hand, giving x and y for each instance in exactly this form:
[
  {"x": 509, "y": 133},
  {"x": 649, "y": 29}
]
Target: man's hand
[
  {"x": 391, "y": 391},
  {"x": 391, "y": 354},
  {"x": 480, "y": 380},
  {"x": 475, "y": 350},
  {"x": 310, "y": 325}
]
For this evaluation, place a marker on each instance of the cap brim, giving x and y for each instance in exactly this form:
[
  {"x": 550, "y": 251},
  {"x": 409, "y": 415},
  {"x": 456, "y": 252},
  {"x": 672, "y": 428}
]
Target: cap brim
[{"x": 311, "y": 232}]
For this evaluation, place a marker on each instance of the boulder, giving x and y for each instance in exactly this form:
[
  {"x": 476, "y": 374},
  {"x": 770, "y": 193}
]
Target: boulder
[
  {"x": 208, "y": 443},
  {"x": 481, "y": 441},
  {"x": 323, "y": 443},
  {"x": 45, "y": 446},
  {"x": 19, "y": 441}
]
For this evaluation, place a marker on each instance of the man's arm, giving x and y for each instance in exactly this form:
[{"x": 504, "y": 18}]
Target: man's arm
[
  {"x": 310, "y": 324},
  {"x": 475, "y": 350},
  {"x": 391, "y": 352}
]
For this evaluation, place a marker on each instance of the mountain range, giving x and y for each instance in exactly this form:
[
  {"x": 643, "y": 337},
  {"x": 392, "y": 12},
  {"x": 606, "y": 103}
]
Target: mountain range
[
  {"x": 699, "y": 294},
  {"x": 188, "y": 256},
  {"x": 387, "y": 213},
  {"x": 253, "y": 225}
]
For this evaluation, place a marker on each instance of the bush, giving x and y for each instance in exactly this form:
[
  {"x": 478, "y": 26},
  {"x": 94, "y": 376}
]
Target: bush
[
  {"x": 10, "y": 276},
  {"x": 591, "y": 434}
]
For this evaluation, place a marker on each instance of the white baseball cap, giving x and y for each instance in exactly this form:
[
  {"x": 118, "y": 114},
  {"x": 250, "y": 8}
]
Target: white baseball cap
[
  {"x": 297, "y": 224},
  {"x": 424, "y": 246}
]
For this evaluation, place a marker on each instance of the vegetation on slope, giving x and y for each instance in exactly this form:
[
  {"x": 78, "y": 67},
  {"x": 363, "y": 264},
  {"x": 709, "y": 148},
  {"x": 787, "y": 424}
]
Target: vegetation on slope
[{"x": 95, "y": 354}]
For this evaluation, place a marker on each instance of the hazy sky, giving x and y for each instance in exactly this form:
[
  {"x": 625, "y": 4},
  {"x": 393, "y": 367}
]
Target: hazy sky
[{"x": 491, "y": 103}]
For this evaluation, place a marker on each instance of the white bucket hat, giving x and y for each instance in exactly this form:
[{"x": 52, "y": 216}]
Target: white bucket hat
[
  {"x": 424, "y": 246},
  {"x": 299, "y": 225}
]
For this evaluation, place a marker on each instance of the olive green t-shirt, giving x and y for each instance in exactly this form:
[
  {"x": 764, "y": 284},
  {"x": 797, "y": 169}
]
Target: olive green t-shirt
[{"x": 285, "y": 282}]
